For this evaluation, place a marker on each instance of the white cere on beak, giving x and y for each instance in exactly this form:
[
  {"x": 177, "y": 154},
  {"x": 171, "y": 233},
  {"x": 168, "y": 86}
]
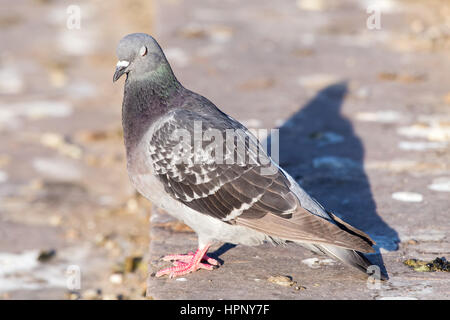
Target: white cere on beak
[
  {"x": 143, "y": 51},
  {"x": 122, "y": 63}
]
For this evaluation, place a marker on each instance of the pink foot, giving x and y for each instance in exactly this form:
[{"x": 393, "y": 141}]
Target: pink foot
[{"x": 187, "y": 263}]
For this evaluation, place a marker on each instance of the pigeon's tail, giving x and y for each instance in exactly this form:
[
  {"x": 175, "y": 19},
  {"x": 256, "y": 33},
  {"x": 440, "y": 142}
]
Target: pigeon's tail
[{"x": 350, "y": 257}]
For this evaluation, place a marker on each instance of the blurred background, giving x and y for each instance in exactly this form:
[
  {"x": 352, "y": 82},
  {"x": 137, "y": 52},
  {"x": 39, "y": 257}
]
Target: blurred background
[{"x": 65, "y": 198}]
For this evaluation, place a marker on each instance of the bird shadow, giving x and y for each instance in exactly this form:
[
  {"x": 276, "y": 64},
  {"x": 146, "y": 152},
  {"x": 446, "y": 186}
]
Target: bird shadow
[
  {"x": 220, "y": 251},
  {"x": 319, "y": 149}
]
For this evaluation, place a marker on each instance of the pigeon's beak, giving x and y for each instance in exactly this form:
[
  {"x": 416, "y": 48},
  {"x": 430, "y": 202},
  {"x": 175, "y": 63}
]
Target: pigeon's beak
[{"x": 121, "y": 68}]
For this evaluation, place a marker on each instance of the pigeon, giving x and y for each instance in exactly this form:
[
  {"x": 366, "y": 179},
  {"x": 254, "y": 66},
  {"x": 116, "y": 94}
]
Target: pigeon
[{"x": 208, "y": 170}]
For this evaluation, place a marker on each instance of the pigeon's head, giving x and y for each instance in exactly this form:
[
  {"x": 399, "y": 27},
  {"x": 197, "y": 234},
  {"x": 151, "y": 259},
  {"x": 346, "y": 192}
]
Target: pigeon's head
[{"x": 139, "y": 54}]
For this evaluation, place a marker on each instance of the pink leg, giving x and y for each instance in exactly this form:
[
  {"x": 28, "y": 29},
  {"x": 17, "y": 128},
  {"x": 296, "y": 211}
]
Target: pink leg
[{"x": 188, "y": 263}]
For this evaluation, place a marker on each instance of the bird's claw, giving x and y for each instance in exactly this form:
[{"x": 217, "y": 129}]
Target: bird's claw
[{"x": 187, "y": 263}]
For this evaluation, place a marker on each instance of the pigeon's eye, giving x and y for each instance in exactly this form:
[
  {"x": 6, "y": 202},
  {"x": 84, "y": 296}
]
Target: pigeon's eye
[{"x": 143, "y": 51}]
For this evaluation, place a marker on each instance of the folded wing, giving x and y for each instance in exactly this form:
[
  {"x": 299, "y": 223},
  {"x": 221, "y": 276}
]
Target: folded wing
[{"x": 215, "y": 166}]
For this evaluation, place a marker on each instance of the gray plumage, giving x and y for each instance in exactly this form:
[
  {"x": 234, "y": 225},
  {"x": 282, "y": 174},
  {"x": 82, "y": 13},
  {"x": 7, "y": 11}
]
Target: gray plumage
[{"x": 247, "y": 201}]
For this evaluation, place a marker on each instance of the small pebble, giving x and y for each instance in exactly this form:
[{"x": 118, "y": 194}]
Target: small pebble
[
  {"x": 440, "y": 184},
  {"x": 407, "y": 196},
  {"x": 46, "y": 255},
  {"x": 312, "y": 263},
  {"x": 73, "y": 295},
  {"x": 92, "y": 294},
  {"x": 432, "y": 132},
  {"x": 282, "y": 281},
  {"x": 421, "y": 145},
  {"x": 385, "y": 116},
  {"x": 315, "y": 263},
  {"x": 181, "y": 279},
  {"x": 300, "y": 288},
  {"x": 132, "y": 263},
  {"x": 116, "y": 278}
]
